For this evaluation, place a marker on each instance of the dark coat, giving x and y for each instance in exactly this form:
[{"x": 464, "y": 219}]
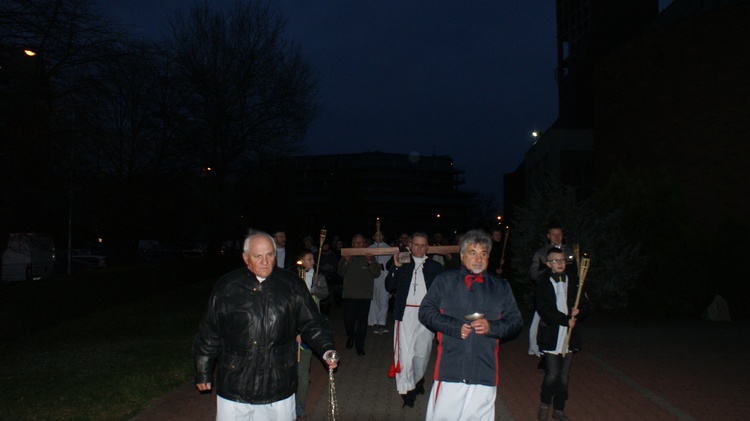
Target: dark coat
[
  {"x": 290, "y": 259},
  {"x": 249, "y": 331},
  {"x": 398, "y": 281},
  {"x": 550, "y": 318},
  {"x": 475, "y": 359}
]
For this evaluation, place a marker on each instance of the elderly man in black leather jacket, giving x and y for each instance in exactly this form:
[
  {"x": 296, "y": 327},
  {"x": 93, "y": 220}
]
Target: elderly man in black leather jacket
[{"x": 250, "y": 326}]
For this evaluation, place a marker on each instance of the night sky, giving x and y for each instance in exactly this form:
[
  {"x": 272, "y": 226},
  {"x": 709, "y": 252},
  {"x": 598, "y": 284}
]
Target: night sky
[{"x": 470, "y": 80}]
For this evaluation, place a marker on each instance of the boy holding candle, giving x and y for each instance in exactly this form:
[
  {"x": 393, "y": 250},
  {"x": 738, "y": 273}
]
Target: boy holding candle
[{"x": 556, "y": 293}]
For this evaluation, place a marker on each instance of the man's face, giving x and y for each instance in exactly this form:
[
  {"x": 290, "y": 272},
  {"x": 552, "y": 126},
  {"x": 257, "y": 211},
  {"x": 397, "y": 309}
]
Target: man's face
[
  {"x": 555, "y": 236},
  {"x": 326, "y": 248},
  {"x": 475, "y": 258},
  {"x": 438, "y": 237},
  {"x": 497, "y": 236},
  {"x": 280, "y": 238},
  {"x": 556, "y": 262},
  {"x": 308, "y": 261},
  {"x": 260, "y": 257},
  {"x": 419, "y": 246},
  {"x": 404, "y": 240},
  {"x": 378, "y": 237},
  {"x": 358, "y": 242}
]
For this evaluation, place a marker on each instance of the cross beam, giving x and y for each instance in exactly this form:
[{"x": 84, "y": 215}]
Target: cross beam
[{"x": 390, "y": 251}]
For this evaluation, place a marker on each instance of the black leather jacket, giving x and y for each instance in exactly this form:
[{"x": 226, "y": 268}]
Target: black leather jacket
[{"x": 250, "y": 327}]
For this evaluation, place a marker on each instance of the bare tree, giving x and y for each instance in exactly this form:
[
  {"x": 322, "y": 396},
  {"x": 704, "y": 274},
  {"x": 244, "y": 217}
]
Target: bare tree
[
  {"x": 131, "y": 116},
  {"x": 98, "y": 115},
  {"x": 250, "y": 95},
  {"x": 38, "y": 96}
]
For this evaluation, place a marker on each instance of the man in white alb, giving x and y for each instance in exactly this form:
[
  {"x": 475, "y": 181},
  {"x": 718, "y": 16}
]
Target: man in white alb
[{"x": 412, "y": 341}]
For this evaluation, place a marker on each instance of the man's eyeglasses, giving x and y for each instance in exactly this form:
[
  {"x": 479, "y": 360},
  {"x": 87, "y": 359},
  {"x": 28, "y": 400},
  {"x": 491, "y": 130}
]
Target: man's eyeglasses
[{"x": 556, "y": 261}]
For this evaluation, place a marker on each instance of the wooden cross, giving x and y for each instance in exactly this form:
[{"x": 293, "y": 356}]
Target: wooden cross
[{"x": 390, "y": 251}]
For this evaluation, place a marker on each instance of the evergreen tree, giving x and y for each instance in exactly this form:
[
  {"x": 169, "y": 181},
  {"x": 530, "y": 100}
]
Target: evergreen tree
[{"x": 615, "y": 260}]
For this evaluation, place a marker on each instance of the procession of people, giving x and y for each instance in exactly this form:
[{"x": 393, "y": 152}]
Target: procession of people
[{"x": 263, "y": 324}]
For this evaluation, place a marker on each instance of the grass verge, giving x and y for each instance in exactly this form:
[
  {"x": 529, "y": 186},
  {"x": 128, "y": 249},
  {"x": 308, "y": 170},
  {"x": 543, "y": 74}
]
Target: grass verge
[{"x": 105, "y": 365}]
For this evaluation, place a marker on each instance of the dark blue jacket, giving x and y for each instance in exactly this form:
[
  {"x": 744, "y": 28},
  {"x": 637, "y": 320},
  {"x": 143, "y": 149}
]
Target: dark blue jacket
[{"x": 473, "y": 360}]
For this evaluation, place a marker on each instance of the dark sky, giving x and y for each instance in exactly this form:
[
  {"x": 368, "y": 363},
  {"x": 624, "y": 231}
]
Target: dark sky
[{"x": 468, "y": 79}]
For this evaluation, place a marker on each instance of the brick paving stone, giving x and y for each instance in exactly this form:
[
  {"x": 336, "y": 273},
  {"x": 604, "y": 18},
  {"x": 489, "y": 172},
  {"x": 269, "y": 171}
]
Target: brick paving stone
[{"x": 627, "y": 371}]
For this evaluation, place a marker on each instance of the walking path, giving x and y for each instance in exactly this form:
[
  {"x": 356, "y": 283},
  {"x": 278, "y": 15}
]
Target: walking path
[{"x": 626, "y": 371}]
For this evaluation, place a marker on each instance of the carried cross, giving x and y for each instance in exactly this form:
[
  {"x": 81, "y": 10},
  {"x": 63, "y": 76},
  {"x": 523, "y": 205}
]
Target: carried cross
[{"x": 389, "y": 251}]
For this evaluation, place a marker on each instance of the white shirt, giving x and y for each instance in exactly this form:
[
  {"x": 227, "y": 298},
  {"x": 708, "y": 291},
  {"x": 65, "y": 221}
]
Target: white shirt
[
  {"x": 309, "y": 279},
  {"x": 561, "y": 295},
  {"x": 418, "y": 286}
]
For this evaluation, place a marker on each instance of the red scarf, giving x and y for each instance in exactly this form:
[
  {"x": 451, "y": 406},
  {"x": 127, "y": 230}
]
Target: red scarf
[{"x": 473, "y": 277}]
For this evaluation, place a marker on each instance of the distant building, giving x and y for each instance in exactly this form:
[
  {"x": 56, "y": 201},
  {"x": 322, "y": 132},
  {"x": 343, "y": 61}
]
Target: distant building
[
  {"x": 587, "y": 32},
  {"x": 565, "y": 153},
  {"x": 676, "y": 98},
  {"x": 641, "y": 90},
  {"x": 346, "y": 193}
]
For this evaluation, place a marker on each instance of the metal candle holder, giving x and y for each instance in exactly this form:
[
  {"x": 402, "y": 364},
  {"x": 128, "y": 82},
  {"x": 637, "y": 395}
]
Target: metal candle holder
[{"x": 333, "y": 405}]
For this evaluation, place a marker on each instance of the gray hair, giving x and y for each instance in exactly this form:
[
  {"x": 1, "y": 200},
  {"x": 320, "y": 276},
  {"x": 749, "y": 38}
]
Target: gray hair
[
  {"x": 252, "y": 234},
  {"x": 478, "y": 237}
]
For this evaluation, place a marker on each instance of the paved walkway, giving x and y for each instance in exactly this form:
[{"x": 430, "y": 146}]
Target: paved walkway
[{"x": 627, "y": 371}]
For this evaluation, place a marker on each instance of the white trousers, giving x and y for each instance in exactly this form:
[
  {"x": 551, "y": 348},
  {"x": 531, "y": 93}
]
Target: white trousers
[
  {"x": 413, "y": 344},
  {"x": 461, "y": 402},
  {"x": 284, "y": 410},
  {"x": 379, "y": 306}
]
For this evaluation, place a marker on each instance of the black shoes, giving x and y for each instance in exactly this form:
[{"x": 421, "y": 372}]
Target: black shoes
[
  {"x": 420, "y": 387},
  {"x": 360, "y": 352},
  {"x": 560, "y": 415},
  {"x": 557, "y": 414},
  {"x": 543, "y": 412},
  {"x": 349, "y": 343},
  {"x": 409, "y": 398}
]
